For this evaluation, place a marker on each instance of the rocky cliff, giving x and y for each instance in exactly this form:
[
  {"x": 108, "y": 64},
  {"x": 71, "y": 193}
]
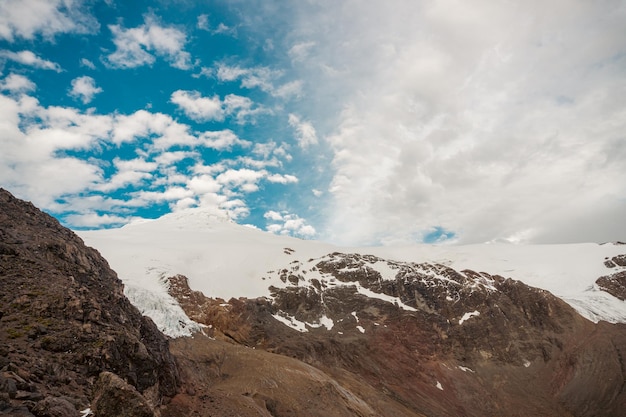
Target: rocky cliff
[
  {"x": 423, "y": 339},
  {"x": 64, "y": 321}
]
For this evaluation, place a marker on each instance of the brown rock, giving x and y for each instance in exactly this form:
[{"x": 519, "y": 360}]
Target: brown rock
[
  {"x": 114, "y": 397},
  {"x": 614, "y": 284},
  {"x": 55, "y": 407}
]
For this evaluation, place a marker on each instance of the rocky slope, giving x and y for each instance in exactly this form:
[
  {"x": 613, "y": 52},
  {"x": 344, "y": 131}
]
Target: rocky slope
[
  {"x": 64, "y": 320},
  {"x": 426, "y": 338}
]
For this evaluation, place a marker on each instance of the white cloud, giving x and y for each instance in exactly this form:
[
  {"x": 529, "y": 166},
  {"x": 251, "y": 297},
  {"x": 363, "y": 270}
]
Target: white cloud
[
  {"x": 285, "y": 223},
  {"x": 282, "y": 179},
  {"x": 483, "y": 119},
  {"x": 305, "y": 132},
  {"x": 95, "y": 220},
  {"x": 17, "y": 84},
  {"x": 135, "y": 46},
  {"x": 289, "y": 90},
  {"x": 273, "y": 215},
  {"x": 198, "y": 108},
  {"x": 84, "y": 89},
  {"x": 87, "y": 63},
  {"x": 27, "y": 18},
  {"x": 205, "y": 109},
  {"x": 300, "y": 51},
  {"x": 221, "y": 140},
  {"x": 31, "y": 164},
  {"x": 30, "y": 59},
  {"x": 244, "y": 179},
  {"x": 223, "y": 29},
  {"x": 242, "y": 108},
  {"x": 35, "y": 162},
  {"x": 263, "y": 78},
  {"x": 203, "y": 22}
]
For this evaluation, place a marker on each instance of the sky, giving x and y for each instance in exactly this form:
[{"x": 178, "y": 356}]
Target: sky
[{"x": 354, "y": 122}]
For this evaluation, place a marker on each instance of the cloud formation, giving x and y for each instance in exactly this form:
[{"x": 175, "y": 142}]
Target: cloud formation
[
  {"x": 84, "y": 89},
  {"x": 43, "y": 162},
  {"x": 29, "y": 58},
  {"x": 206, "y": 109},
  {"x": 136, "y": 47},
  {"x": 305, "y": 132},
  {"x": 16, "y": 83},
  {"x": 490, "y": 120},
  {"x": 28, "y": 18},
  {"x": 260, "y": 77},
  {"x": 285, "y": 223}
]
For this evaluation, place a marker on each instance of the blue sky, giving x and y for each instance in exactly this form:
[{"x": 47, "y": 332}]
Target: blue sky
[{"x": 354, "y": 122}]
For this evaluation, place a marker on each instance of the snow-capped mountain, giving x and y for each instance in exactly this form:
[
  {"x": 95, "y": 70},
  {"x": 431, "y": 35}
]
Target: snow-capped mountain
[
  {"x": 336, "y": 332},
  {"x": 223, "y": 259}
]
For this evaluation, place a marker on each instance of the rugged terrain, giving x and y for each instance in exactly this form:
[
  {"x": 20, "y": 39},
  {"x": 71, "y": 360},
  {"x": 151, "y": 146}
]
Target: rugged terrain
[
  {"x": 336, "y": 334},
  {"x": 426, "y": 338},
  {"x": 68, "y": 335}
]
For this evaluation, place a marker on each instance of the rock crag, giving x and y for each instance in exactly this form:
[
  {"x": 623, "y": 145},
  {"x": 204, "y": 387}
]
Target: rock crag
[{"x": 64, "y": 320}]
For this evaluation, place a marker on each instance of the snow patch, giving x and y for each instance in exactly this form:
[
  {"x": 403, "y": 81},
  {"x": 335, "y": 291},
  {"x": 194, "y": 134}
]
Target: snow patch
[
  {"x": 361, "y": 329},
  {"x": 465, "y": 369},
  {"x": 439, "y": 385},
  {"x": 468, "y": 316},
  {"x": 301, "y": 326},
  {"x": 323, "y": 321},
  {"x": 384, "y": 297},
  {"x": 291, "y": 322},
  {"x": 526, "y": 363}
]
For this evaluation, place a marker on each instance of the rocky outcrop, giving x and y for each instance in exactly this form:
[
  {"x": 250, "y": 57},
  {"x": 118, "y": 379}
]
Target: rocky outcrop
[
  {"x": 424, "y": 337},
  {"x": 114, "y": 397},
  {"x": 614, "y": 284},
  {"x": 64, "y": 319}
]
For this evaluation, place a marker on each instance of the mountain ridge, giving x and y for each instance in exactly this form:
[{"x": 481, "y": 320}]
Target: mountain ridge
[
  {"x": 339, "y": 334},
  {"x": 227, "y": 260}
]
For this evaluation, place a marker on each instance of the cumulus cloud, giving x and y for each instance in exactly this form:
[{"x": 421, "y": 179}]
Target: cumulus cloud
[
  {"x": 30, "y": 59},
  {"x": 285, "y": 223},
  {"x": 198, "y": 108},
  {"x": 28, "y": 18},
  {"x": 37, "y": 162},
  {"x": 488, "y": 121},
  {"x": 222, "y": 140},
  {"x": 136, "y": 47},
  {"x": 16, "y": 83},
  {"x": 84, "y": 89},
  {"x": 205, "y": 109}
]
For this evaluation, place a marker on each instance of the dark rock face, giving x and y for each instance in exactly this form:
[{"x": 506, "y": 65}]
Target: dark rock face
[
  {"x": 64, "y": 318},
  {"x": 614, "y": 284},
  {"x": 114, "y": 397},
  {"x": 55, "y": 407},
  {"x": 434, "y": 340}
]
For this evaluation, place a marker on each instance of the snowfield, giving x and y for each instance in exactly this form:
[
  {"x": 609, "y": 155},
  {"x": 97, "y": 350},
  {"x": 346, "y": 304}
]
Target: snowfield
[{"x": 223, "y": 259}]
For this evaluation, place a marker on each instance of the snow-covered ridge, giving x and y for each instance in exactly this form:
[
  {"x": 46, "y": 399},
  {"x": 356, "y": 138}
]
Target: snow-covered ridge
[{"x": 223, "y": 259}]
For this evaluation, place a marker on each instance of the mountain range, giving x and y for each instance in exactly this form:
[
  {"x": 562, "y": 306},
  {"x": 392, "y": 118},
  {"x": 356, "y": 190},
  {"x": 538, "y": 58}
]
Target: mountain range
[{"x": 256, "y": 324}]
